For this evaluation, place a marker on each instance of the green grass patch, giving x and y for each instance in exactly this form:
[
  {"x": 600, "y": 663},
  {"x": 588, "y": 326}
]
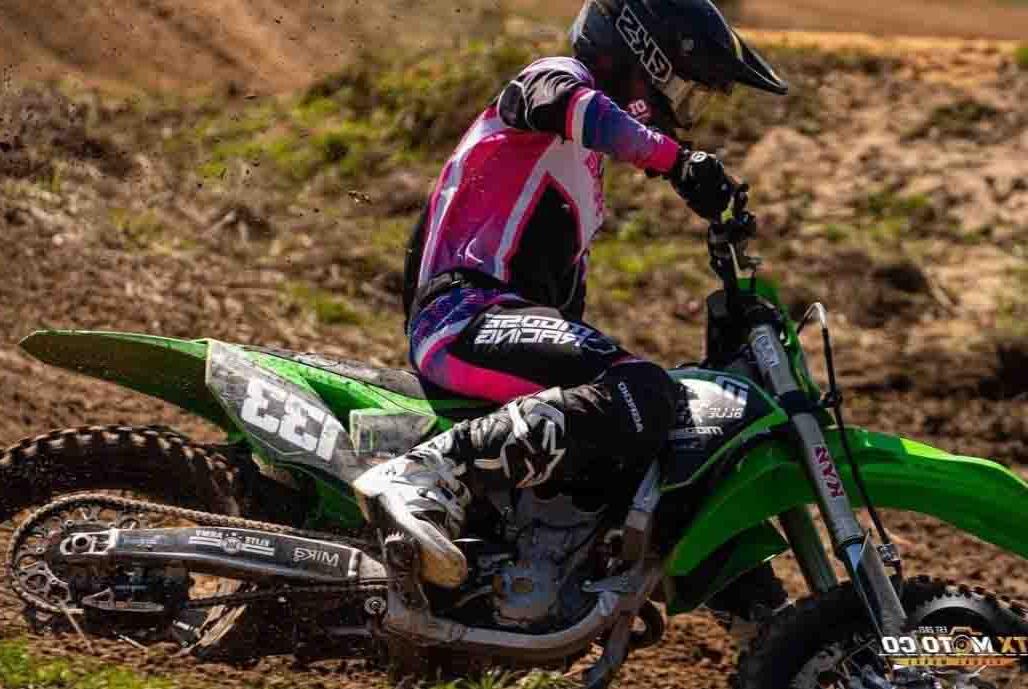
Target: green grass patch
[
  {"x": 21, "y": 668},
  {"x": 498, "y": 679},
  {"x": 886, "y": 204},
  {"x": 385, "y": 110},
  {"x": 1012, "y": 308},
  {"x": 814, "y": 59},
  {"x": 1021, "y": 55},
  {"x": 328, "y": 308},
  {"x": 746, "y": 114},
  {"x": 639, "y": 225},
  {"x": 373, "y": 115},
  {"x": 837, "y": 233},
  {"x": 136, "y": 230},
  {"x": 52, "y": 180},
  {"x": 889, "y": 217},
  {"x": 959, "y": 119},
  {"x": 620, "y": 268},
  {"x": 212, "y": 169},
  {"x": 390, "y": 236},
  {"x": 311, "y": 111}
]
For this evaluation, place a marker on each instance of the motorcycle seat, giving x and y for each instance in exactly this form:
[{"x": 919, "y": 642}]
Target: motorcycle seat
[{"x": 401, "y": 381}]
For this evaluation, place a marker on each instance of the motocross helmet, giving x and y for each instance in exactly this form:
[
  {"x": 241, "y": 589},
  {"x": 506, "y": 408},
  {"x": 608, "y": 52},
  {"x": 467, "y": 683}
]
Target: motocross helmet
[{"x": 664, "y": 60}]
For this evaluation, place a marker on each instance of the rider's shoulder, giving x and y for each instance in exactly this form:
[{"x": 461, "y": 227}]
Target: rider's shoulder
[{"x": 558, "y": 65}]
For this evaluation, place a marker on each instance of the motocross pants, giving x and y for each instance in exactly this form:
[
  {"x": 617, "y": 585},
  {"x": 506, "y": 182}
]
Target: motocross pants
[{"x": 492, "y": 344}]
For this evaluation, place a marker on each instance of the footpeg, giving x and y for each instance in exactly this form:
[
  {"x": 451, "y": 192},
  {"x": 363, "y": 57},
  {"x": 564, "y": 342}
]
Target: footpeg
[{"x": 403, "y": 562}]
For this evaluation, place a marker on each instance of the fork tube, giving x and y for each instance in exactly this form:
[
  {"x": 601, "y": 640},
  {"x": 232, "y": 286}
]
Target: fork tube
[
  {"x": 809, "y": 550},
  {"x": 849, "y": 541}
]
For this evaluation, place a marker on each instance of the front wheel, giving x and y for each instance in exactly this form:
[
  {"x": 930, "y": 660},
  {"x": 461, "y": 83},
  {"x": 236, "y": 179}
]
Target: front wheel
[{"x": 826, "y": 641}]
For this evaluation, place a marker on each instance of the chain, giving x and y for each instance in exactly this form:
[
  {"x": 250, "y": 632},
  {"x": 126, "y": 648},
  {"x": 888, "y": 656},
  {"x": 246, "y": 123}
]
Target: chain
[{"x": 200, "y": 519}]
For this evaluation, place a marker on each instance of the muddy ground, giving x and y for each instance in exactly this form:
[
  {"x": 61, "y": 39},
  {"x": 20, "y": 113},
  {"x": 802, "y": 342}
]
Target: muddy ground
[{"x": 893, "y": 185}]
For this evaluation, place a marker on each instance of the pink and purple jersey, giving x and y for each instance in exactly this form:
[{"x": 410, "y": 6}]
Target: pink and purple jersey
[{"x": 521, "y": 198}]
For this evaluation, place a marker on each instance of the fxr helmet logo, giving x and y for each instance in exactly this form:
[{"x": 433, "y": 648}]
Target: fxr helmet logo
[{"x": 642, "y": 44}]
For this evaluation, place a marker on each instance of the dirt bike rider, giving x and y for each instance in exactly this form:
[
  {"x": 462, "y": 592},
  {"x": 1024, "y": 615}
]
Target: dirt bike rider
[{"x": 496, "y": 269}]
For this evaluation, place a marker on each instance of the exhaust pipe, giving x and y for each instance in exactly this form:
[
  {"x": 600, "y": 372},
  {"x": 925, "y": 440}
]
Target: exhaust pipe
[{"x": 615, "y": 599}]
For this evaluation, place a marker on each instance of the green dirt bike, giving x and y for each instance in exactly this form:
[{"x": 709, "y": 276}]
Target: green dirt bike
[{"x": 256, "y": 545}]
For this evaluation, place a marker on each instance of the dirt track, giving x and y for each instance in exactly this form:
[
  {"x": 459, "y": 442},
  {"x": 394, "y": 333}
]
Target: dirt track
[
  {"x": 256, "y": 45},
  {"x": 126, "y": 237},
  {"x": 271, "y": 46}
]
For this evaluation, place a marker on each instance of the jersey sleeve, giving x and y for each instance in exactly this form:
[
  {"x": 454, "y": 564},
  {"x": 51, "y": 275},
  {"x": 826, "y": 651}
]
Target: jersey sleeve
[{"x": 557, "y": 95}]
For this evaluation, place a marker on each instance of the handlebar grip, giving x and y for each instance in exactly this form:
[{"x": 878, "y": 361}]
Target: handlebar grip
[{"x": 740, "y": 198}]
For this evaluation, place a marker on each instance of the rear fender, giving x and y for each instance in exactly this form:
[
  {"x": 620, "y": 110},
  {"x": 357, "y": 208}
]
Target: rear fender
[
  {"x": 162, "y": 367},
  {"x": 976, "y": 495},
  {"x": 173, "y": 370}
]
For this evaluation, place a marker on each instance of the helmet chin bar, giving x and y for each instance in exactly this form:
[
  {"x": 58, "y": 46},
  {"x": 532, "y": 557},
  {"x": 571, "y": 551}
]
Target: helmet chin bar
[
  {"x": 688, "y": 100},
  {"x": 662, "y": 119}
]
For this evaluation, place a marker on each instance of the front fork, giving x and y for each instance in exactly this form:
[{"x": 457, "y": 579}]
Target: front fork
[{"x": 851, "y": 543}]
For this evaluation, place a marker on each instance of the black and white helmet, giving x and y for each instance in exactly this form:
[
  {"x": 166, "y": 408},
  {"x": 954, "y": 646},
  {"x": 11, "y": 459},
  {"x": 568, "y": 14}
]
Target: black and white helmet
[{"x": 684, "y": 51}]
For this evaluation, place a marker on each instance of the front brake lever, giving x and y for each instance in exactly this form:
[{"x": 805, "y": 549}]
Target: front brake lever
[{"x": 740, "y": 198}]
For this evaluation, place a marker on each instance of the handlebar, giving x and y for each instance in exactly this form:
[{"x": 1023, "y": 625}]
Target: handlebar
[
  {"x": 734, "y": 230},
  {"x": 726, "y": 244}
]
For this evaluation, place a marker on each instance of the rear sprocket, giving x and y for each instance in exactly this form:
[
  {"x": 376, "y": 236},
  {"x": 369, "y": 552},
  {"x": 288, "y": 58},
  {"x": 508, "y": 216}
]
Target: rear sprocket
[{"x": 152, "y": 602}]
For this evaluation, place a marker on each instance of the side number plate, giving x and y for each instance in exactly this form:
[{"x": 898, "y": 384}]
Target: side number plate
[{"x": 289, "y": 422}]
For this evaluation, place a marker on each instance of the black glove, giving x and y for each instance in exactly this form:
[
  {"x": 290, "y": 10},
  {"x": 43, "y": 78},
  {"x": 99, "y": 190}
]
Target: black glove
[{"x": 701, "y": 180}]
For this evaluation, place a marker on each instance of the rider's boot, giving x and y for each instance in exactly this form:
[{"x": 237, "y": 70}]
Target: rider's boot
[{"x": 422, "y": 494}]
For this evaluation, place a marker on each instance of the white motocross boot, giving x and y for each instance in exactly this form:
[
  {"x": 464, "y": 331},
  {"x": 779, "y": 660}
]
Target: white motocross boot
[{"x": 421, "y": 493}]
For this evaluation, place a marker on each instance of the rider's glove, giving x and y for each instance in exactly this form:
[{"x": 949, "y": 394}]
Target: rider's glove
[{"x": 701, "y": 180}]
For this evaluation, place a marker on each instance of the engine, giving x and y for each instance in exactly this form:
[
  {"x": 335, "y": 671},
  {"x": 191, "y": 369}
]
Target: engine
[{"x": 542, "y": 585}]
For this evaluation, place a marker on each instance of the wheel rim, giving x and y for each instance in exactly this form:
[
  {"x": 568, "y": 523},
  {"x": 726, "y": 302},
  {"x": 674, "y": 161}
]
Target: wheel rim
[{"x": 46, "y": 584}]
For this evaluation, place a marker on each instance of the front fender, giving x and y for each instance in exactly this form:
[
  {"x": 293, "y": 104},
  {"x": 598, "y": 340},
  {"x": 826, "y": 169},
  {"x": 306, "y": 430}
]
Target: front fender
[{"x": 976, "y": 495}]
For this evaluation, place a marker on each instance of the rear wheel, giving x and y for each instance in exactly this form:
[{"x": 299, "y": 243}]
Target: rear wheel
[
  {"x": 824, "y": 641},
  {"x": 154, "y": 464}
]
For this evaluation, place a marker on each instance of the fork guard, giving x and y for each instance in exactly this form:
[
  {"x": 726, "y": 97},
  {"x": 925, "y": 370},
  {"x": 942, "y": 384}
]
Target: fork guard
[{"x": 978, "y": 496}]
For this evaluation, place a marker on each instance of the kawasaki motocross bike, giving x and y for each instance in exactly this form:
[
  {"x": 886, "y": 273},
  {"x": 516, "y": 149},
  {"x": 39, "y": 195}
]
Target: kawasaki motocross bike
[{"x": 257, "y": 546}]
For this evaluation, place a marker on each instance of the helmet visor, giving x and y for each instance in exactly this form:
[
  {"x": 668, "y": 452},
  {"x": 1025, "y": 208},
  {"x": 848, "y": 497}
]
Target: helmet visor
[{"x": 688, "y": 100}]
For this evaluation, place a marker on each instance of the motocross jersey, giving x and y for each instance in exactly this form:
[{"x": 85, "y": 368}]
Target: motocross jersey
[{"x": 521, "y": 198}]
